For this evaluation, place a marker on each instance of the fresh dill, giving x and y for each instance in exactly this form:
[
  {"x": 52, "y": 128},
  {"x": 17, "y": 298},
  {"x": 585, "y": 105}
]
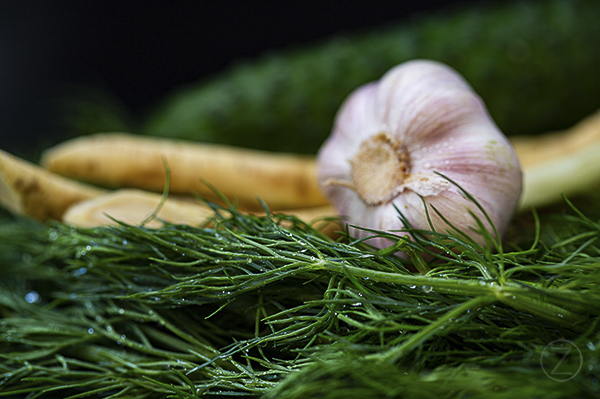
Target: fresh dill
[{"x": 268, "y": 306}]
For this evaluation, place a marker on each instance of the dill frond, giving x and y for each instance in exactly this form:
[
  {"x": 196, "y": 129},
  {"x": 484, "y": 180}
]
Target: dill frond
[{"x": 268, "y": 306}]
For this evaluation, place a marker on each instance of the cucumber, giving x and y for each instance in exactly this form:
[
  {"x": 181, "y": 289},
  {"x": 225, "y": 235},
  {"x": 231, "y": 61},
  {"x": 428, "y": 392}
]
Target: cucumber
[{"x": 534, "y": 63}]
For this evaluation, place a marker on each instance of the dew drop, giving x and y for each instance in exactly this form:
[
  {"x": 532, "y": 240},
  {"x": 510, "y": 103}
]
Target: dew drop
[
  {"x": 32, "y": 297},
  {"x": 53, "y": 236},
  {"x": 90, "y": 330},
  {"x": 78, "y": 272}
]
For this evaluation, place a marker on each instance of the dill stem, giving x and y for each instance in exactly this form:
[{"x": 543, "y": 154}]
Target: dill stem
[
  {"x": 442, "y": 285},
  {"x": 516, "y": 296},
  {"x": 395, "y": 353}
]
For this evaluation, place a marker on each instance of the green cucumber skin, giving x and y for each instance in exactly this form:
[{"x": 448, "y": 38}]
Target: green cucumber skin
[{"x": 534, "y": 63}]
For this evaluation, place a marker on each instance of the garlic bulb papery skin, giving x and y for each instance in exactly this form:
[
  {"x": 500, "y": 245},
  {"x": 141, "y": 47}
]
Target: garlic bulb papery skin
[{"x": 391, "y": 137}]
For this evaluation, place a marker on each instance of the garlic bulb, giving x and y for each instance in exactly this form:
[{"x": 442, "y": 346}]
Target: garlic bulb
[{"x": 392, "y": 136}]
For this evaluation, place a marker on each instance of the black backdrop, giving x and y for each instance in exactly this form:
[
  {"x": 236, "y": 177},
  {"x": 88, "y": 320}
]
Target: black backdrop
[{"x": 141, "y": 50}]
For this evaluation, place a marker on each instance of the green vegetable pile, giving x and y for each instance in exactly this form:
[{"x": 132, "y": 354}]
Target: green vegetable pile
[{"x": 249, "y": 307}]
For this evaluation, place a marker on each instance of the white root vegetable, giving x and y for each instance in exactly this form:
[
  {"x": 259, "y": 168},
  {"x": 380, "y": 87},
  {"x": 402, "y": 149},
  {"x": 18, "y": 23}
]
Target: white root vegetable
[
  {"x": 27, "y": 189},
  {"x": 566, "y": 162},
  {"x": 135, "y": 207},
  {"x": 283, "y": 181}
]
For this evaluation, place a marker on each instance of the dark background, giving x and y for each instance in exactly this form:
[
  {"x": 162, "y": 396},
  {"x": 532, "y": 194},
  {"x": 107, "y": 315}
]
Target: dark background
[{"x": 138, "y": 51}]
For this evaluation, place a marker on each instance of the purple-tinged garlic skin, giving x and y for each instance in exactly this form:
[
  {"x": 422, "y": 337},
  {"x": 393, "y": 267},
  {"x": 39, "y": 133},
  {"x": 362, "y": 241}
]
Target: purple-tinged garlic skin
[{"x": 391, "y": 136}]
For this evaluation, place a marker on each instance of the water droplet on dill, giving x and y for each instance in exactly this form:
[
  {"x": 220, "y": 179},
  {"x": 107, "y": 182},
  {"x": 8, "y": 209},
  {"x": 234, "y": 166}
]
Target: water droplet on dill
[
  {"x": 53, "y": 235},
  {"x": 78, "y": 272}
]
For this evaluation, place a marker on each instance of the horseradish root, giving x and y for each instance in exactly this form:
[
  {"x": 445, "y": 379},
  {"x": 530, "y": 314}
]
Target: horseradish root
[
  {"x": 27, "y": 189},
  {"x": 136, "y": 207},
  {"x": 32, "y": 191},
  {"x": 283, "y": 181},
  {"x": 560, "y": 163}
]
